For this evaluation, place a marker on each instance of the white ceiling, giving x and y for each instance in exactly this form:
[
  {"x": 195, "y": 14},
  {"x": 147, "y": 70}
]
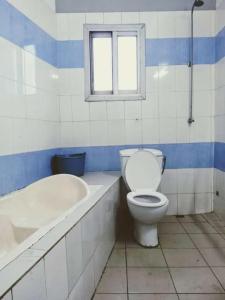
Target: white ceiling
[{"x": 69, "y": 6}]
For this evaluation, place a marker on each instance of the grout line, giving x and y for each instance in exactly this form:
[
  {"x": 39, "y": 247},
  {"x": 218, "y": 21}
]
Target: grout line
[
  {"x": 126, "y": 267},
  {"x": 169, "y": 271},
  {"x": 204, "y": 258}
]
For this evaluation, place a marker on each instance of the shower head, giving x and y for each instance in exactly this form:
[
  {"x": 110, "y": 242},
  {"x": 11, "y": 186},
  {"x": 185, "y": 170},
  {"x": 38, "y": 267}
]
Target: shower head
[{"x": 198, "y": 3}]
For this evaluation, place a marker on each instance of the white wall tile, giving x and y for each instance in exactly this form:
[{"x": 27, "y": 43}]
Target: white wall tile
[
  {"x": 113, "y": 18},
  {"x": 32, "y": 285},
  {"x": 65, "y": 109},
  {"x": 98, "y": 111},
  {"x": 150, "y": 19},
  {"x": 167, "y": 130},
  {"x": 115, "y": 110},
  {"x": 98, "y": 133},
  {"x": 74, "y": 255},
  {"x": 132, "y": 110},
  {"x": 150, "y": 131},
  {"x": 169, "y": 182},
  {"x": 94, "y": 18},
  {"x": 166, "y": 24},
  {"x": 116, "y": 132},
  {"x": 81, "y": 131},
  {"x": 203, "y": 203},
  {"x": 172, "y": 208},
  {"x": 76, "y": 22},
  {"x": 56, "y": 272},
  {"x": 130, "y": 17},
  {"x": 133, "y": 132},
  {"x": 186, "y": 181},
  {"x": 186, "y": 204},
  {"x": 150, "y": 106}
]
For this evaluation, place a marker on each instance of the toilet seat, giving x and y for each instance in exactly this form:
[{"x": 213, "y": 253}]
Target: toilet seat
[
  {"x": 143, "y": 176},
  {"x": 147, "y": 198}
]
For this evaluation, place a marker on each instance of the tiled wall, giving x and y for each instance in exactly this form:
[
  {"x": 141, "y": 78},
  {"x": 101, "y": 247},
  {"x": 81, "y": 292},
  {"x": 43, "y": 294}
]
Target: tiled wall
[
  {"x": 219, "y": 178},
  {"x": 29, "y": 106},
  {"x": 161, "y": 120},
  {"x": 73, "y": 266}
]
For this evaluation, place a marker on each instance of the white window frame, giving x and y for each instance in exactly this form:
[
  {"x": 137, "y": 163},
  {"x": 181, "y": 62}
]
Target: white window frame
[{"x": 117, "y": 30}]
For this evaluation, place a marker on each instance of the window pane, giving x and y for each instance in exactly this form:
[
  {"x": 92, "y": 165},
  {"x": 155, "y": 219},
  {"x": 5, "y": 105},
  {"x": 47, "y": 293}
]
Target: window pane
[
  {"x": 127, "y": 63},
  {"x": 102, "y": 64}
]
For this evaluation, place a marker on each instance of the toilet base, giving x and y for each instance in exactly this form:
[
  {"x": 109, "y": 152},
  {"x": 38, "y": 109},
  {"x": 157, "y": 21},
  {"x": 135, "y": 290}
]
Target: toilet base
[{"x": 146, "y": 234}]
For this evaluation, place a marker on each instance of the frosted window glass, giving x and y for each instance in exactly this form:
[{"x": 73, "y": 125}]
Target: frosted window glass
[
  {"x": 102, "y": 64},
  {"x": 127, "y": 63}
]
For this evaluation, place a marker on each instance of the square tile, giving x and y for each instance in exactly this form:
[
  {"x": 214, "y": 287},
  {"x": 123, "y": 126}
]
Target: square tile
[
  {"x": 120, "y": 244},
  {"x": 110, "y": 297},
  {"x": 211, "y": 240},
  {"x": 32, "y": 285},
  {"x": 117, "y": 258},
  {"x": 220, "y": 274},
  {"x": 149, "y": 280},
  {"x": 170, "y": 228},
  {"x": 56, "y": 272},
  {"x": 215, "y": 257},
  {"x": 195, "y": 280},
  {"x": 199, "y": 228},
  {"x": 175, "y": 241},
  {"x": 145, "y": 258},
  {"x": 113, "y": 281},
  {"x": 153, "y": 297},
  {"x": 184, "y": 258},
  {"x": 74, "y": 255}
]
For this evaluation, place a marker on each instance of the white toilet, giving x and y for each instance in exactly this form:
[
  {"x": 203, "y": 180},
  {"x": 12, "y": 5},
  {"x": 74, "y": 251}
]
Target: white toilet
[{"x": 141, "y": 170}]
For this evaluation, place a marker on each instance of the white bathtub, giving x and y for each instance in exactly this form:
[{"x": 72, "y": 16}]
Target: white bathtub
[{"x": 26, "y": 215}]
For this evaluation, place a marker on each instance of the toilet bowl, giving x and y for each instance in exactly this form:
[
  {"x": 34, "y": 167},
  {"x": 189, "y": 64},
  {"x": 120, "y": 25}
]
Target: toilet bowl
[{"x": 142, "y": 174}]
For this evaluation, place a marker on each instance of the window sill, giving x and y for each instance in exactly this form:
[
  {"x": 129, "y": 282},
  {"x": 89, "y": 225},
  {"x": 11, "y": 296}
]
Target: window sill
[{"x": 96, "y": 98}]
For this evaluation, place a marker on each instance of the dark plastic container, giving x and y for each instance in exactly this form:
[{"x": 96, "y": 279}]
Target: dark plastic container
[{"x": 69, "y": 164}]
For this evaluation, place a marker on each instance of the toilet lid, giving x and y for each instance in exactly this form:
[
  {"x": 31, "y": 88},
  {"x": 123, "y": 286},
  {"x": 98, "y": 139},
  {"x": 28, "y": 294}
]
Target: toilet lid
[{"x": 142, "y": 171}]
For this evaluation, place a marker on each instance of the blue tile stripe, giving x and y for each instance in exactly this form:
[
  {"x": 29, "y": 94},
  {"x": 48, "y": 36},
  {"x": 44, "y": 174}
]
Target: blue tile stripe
[
  {"x": 20, "y": 30},
  {"x": 19, "y": 170},
  {"x": 179, "y": 156},
  {"x": 220, "y": 45},
  {"x": 219, "y": 156}
]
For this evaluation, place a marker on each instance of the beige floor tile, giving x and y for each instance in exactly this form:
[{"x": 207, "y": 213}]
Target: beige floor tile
[
  {"x": 149, "y": 280},
  {"x": 201, "y": 297},
  {"x": 215, "y": 257},
  {"x": 120, "y": 244},
  {"x": 153, "y": 297},
  {"x": 117, "y": 258},
  {"x": 199, "y": 228},
  {"x": 184, "y": 258},
  {"x": 220, "y": 274},
  {"x": 195, "y": 280},
  {"x": 145, "y": 258},
  {"x": 176, "y": 241},
  {"x": 210, "y": 240},
  {"x": 169, "y": 219},
  {"x": 170, "y": 228},
  {"x": 131, "y": 243},
  {"x": 192, "y": 219},
  {"x": 110, "y": 297},
  {"x": 113, "y": 281}
]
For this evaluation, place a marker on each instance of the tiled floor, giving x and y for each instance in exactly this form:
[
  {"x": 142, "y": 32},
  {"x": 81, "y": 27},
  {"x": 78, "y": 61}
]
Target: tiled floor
[{"x": 189, "y": 263}]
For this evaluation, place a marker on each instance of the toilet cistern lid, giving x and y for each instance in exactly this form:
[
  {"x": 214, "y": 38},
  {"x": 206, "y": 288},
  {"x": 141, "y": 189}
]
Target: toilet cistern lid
[{"x": 142, "y": 171}]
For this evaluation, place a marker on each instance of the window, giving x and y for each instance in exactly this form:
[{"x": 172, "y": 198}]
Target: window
[{"x": 114, "y": 62}]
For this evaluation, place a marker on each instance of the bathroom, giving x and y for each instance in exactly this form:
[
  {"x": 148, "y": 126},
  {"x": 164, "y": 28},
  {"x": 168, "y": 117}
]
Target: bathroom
[{"x": 139, "y": 87}]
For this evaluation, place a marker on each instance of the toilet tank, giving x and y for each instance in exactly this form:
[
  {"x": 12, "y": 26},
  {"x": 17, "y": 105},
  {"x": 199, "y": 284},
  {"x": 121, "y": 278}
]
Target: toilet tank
[{"x": 127, "y": 153}]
